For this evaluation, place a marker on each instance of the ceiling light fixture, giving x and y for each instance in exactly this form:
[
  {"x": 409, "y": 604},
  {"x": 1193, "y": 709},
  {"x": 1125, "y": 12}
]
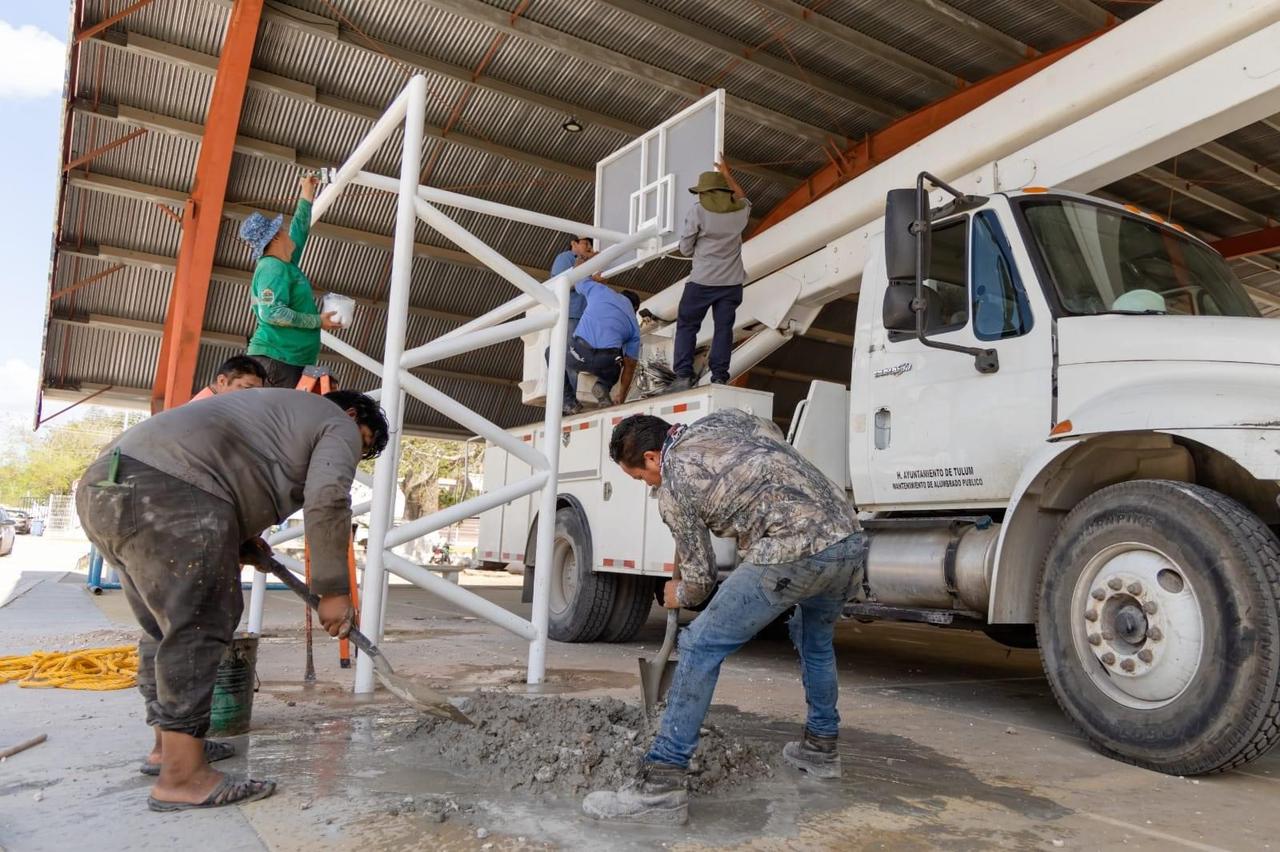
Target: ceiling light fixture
[{"x": 572, "y": 125}]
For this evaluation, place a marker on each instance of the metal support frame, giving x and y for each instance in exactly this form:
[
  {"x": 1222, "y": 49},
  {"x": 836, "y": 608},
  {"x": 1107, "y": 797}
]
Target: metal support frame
[
  {"x": 202, "y": 214},
  {"x": 107, "y": 23},
  {"x": 546, "y": 303}
]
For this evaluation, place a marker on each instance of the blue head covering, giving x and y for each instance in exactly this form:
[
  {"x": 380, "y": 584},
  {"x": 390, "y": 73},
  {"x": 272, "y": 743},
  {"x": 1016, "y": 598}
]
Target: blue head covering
[{"x": 258, "y": 230}]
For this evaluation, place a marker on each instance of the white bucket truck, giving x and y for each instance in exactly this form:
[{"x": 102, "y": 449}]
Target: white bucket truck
[{"x": 1063, "y": 421}]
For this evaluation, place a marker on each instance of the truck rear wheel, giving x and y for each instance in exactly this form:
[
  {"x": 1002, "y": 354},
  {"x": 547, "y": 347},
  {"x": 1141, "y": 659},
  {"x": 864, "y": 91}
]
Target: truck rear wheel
[
  {"x": 631, "y": 606},
  {"x": 1159, "y": 628},
  {"x": 581, "y": 599}
]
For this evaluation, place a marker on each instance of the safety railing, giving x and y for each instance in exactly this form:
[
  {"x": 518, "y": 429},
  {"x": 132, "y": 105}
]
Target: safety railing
[{"x": 550, "y": 298}]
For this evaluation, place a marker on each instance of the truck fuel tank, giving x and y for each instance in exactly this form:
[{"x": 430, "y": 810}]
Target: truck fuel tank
[{"x": 935, "y": 563}]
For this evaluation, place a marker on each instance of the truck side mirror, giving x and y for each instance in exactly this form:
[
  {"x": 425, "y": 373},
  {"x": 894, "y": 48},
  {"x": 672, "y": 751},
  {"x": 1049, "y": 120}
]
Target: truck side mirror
[
  {"x": 898, "y": 315},
  {"x": 899, "y": 240}
]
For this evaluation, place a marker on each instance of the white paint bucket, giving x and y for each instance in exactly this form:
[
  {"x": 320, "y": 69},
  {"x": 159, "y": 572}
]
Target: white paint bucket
[{"x": 343, "y": 306}]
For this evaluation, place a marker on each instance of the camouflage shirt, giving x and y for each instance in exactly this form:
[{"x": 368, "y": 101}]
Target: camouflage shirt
[{"x": 734, "y": 475}]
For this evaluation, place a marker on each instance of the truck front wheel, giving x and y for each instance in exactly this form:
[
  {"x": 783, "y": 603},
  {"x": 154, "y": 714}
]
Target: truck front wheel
[{"x": 1159, "y": 629}]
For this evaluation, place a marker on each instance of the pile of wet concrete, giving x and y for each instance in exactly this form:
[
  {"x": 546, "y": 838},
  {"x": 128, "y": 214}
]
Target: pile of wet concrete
[{"x": 552, "y": 745}]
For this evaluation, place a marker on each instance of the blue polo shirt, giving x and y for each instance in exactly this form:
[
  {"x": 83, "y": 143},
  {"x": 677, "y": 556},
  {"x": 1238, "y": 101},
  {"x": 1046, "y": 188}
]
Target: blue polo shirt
[
  {"x": 566, "y": 260},
  {"x": 609, "y": 322}
]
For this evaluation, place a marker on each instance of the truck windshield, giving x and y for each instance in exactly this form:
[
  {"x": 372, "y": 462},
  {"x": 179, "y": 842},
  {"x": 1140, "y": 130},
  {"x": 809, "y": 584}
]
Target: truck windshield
[{"x": 1103, "y": 261}]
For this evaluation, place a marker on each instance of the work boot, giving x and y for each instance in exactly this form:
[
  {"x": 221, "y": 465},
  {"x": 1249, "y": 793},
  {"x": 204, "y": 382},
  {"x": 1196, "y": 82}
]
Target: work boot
[
  {"x": 657, "y": 797},
  {"x": 680, "y": 383},
  {"x": 815, "y": 755},
  {"x": 715, "y": 380}
]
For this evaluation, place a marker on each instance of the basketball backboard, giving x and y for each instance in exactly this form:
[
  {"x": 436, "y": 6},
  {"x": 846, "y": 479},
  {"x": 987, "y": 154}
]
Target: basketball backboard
[{"x": 648, "y": 179}]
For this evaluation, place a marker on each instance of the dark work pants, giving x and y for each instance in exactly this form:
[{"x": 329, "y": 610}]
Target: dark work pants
[
  {"x": 279, "y": 374},
  {"x": 177, "y": 550},
  {"x": 697, "y": 300},
  {"x": 604, "y": 364}
]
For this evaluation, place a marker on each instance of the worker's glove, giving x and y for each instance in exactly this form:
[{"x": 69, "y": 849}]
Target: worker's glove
[
  {"x": 256, "y": 552},
  {"x": 336, "y": 615}
]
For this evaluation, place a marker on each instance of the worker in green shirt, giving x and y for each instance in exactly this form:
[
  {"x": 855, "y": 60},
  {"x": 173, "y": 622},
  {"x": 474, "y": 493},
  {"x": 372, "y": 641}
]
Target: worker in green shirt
[{"x": 287, "y": 337}]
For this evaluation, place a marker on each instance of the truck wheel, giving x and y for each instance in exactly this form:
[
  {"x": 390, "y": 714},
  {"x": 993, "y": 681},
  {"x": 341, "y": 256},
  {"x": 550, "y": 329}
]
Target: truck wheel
[
  {"x": 631, "y": 607},
  {"x": 581, "y": 599},
  {"x": 1159, "y": 629}
]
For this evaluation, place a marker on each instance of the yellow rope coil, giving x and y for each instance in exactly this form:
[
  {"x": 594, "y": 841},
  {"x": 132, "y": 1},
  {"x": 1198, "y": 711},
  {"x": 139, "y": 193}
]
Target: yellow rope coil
[{"x": 92, "y": 668}]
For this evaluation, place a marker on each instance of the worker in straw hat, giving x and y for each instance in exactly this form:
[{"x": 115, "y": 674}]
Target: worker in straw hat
[
  {"x": 287, "y": 337},
  {"x": 712, "y": 236}
]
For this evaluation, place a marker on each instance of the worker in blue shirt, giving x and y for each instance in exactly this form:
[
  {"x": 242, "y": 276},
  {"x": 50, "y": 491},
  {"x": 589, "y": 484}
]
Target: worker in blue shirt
[
  {"x": 579, "y": 250},
  {"x": 606, "y": 345}
]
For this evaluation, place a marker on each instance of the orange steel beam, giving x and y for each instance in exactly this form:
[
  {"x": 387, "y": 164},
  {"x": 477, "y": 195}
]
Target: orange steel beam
[
  {"x": 202, "y": 215},
  {"x": 85, "y": 282},
  {"x": 906, "y": 131},
  {"x": 90, "y": 32},
  {"x": 90, "y": 156},
  {"x": 1254, "y": 242}
]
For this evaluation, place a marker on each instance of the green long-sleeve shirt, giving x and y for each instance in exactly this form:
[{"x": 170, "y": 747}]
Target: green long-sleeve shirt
[{"x": 283, "y": 303}]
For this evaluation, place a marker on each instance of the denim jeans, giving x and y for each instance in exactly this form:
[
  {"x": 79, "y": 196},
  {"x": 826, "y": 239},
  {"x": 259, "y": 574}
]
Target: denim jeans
[
  {"x": 753, "y": 596},
  {"x": 604, "y": 364},
  {"x": 694, "y": 303}
]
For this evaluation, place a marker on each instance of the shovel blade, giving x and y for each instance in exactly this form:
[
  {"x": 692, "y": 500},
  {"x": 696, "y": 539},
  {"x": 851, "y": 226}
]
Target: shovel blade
[
  {"x": 419, "y": 695},
  {"x": 655, "y": 681}
]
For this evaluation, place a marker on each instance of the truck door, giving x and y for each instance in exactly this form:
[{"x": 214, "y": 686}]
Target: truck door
[{"x": 941, "y": 434}]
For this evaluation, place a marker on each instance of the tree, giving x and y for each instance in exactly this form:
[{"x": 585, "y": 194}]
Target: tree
[
  {"x": 35, "y": 465},
  {"x": 423, "y": 463}
]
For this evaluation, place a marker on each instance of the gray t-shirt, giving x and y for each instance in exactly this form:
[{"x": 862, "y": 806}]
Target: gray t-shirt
[
  {"x": 269, "y": 453},
  {"x": 714, "y": 240}
]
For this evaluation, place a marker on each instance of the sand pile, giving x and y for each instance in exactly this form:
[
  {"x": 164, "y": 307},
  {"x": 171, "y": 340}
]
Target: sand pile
[{"x": 574, "y": 745}]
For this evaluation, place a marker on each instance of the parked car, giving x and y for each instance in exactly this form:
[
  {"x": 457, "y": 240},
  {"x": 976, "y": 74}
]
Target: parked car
[
  {"x": 7, "y": 533},
  {"x": 21, "y": 521}
]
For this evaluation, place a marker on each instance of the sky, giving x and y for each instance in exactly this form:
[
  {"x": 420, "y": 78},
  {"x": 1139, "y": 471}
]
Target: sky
[{"x": 33, "y": 35}]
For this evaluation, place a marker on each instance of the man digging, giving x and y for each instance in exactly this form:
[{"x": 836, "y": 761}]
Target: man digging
[
  {"x": 175, "y": 503},
  {"x": 734, "y": 475}
]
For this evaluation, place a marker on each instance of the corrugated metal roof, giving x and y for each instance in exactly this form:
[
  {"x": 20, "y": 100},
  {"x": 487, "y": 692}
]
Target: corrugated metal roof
[{"x": 335, "y": 48}]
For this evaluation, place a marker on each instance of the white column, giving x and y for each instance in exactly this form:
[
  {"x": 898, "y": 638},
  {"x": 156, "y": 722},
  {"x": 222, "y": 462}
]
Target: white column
[
  {"x": 257, "y": 598},
  {"x": 547, "y": 511},
  {"x": 384, "y": 477}
]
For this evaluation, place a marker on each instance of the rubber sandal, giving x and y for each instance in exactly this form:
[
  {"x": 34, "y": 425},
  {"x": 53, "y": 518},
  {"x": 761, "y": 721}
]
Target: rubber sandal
[
  {"x": 228, "y": 792},
  {"x": 213, "y": 751}
]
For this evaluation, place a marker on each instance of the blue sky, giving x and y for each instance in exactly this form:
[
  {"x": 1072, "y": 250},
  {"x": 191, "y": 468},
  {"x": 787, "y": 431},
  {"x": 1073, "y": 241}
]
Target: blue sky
[{"x": 33, "y": 34}]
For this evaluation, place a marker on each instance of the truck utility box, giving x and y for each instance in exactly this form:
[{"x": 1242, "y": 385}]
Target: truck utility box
[{"x": 611, "y": 545}]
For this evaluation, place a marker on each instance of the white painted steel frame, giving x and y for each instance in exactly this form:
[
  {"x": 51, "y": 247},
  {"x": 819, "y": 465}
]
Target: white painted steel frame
[{"x": 547, "y": 300}]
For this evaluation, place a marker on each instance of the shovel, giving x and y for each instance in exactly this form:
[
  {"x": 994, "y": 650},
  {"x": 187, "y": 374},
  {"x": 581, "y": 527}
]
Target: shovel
[
  {"x": 656, "y": 674},
  {"x": 412, "y": 692}
]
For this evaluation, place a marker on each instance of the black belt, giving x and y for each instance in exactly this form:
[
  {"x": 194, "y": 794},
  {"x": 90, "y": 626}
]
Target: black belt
[{"x": 579, "y": 343}]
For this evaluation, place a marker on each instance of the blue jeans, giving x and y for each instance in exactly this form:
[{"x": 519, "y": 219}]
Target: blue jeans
[
  {"x": 753, "y": 596},
  {"x": 697, "y": 300}
]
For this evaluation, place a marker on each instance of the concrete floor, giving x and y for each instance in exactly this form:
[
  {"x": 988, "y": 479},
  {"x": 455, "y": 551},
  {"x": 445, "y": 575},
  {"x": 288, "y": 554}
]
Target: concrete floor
[{"x": 950, "y": 742}]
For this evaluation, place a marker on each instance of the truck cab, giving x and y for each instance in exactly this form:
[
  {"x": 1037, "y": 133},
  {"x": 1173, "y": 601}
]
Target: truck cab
[{"x": 1064, "y": 427}]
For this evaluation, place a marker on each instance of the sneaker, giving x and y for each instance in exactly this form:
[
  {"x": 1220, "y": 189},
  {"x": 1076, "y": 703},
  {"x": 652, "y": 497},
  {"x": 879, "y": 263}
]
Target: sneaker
[
  {"x": 601, "y": 393},
  {"x": 657, "y": 797},
  {"x": 571, "y": 407},
  {"x": 815, "y": 755},
  {"x": 680, "y": 383},
  {"x": 715, "y": 380}
]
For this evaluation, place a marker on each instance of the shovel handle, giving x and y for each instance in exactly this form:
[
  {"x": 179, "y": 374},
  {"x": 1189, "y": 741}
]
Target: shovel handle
[
  {"x": 300, "y": 589},
  {"x": 673, "y": 624}
]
